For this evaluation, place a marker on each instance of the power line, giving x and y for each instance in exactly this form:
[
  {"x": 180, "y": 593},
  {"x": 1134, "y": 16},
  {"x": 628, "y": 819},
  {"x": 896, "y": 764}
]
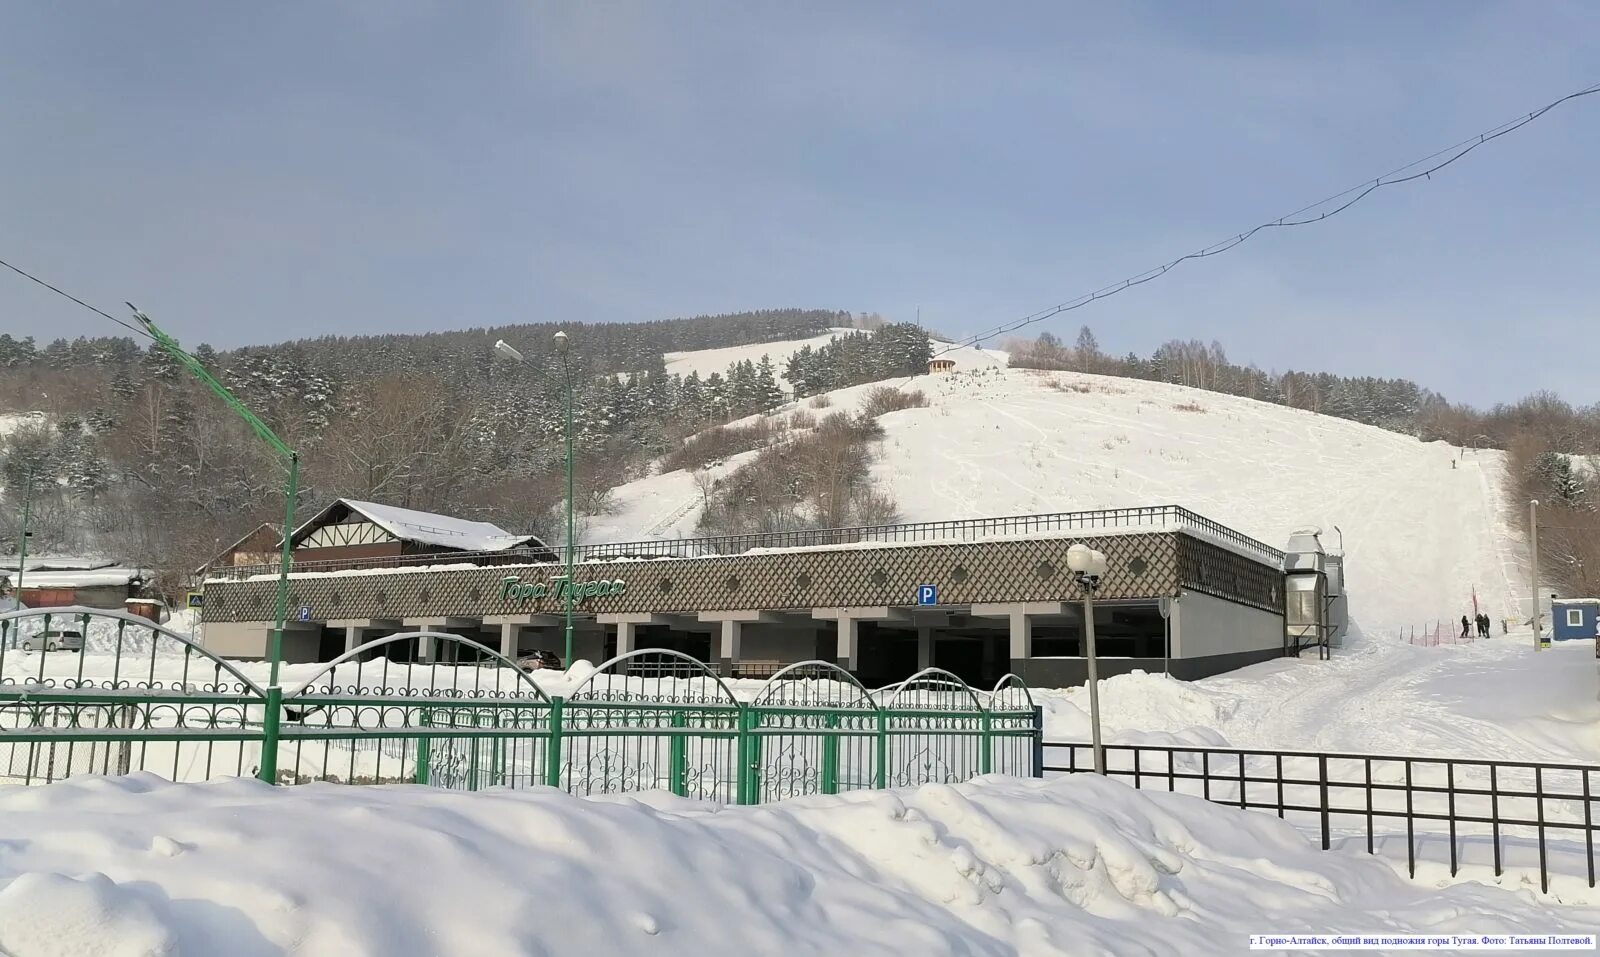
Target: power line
[
  {"x": 61, "y": 292},
  {"x": 1299, "y": 217}
]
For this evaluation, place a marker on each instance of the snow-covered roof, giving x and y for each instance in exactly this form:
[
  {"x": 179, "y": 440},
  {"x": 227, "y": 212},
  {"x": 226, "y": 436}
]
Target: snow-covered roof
[
  {"x": 91, "y": 578},
  {"x": 427, "y": 527},
  {"x": 57, "y": 563}
]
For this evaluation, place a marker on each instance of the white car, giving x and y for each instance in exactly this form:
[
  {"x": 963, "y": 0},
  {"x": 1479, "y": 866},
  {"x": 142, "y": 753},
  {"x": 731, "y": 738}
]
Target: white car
[{"x": 56, "y": 639}]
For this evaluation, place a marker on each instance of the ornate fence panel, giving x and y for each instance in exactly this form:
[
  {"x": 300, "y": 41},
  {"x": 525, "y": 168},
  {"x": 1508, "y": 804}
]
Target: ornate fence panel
[
  {"x": 675, "y": 728},
  {"x": 468, "y": 718},
  {"x": 815, "y": 731},
  {"x": 136, "y": 697},
  {"x": 439, "y": 709}
]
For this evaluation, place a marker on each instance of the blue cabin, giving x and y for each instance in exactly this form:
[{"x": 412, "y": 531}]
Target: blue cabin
[{"x": 1573, "y": 617}]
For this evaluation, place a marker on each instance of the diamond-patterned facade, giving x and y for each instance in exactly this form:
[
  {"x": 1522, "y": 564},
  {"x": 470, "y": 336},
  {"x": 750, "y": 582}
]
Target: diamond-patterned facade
[{"x": 1140, "y": 565}]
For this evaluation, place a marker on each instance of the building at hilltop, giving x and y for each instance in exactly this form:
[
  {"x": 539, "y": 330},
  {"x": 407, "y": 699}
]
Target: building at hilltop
[
  {"x": 980, "y": 598},
  {"x": 941, "y": 365}
]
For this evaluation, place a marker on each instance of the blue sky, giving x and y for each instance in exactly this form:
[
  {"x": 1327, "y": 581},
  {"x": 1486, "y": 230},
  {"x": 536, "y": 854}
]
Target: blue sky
[{"x": 254, "y": 172}]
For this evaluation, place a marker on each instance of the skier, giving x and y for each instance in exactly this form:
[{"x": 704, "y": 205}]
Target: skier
[
  {"x": 1597, "y": 636},
  {"x": 1465, "y": 626}
]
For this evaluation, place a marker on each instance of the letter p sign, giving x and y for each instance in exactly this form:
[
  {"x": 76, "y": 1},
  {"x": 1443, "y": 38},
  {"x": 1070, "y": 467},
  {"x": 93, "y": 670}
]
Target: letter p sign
[{"x": 927, "y": 595}]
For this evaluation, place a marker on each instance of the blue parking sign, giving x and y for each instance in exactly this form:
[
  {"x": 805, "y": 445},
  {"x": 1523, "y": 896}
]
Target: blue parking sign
[
  {"x": 927, "y": 595},
  {"x": 305, "y": 612}
]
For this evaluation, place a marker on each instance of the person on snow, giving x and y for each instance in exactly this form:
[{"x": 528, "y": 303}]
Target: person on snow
[
  {"x": 1466, "y": 626},
  {"x": 1483, "y": 626}
]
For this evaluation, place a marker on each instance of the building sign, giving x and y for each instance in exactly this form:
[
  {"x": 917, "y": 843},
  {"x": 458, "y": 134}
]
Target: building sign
[
  {"x": 927, "y": 595},
  {"x": 513, "y": 588}
]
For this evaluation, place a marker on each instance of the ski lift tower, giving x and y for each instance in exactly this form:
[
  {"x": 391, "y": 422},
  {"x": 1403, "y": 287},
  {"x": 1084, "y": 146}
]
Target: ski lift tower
[{"x": 1316, "y": 608}]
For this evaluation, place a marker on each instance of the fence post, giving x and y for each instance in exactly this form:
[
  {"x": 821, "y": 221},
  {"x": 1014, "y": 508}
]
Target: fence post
[
  {"x": 1322, "y": 784},
  {"x": 880, "y": 773},
  {"x": 424, "y": 752},
  {"x": 678, "y": 756},
  {"x": 268, "y": 769},
  {"x": 1038, "y": 741},
  {"x": 552, "y": 754},
  {"x": 830, "y": 754},
  {"x": 747, "y": 786},
  {"x": 985, "y": 743}
]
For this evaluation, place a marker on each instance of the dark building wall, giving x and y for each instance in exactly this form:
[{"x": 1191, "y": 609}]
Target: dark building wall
[
  {"x": 345, "y": 553},
  {"x": 1067, "y": 672}
]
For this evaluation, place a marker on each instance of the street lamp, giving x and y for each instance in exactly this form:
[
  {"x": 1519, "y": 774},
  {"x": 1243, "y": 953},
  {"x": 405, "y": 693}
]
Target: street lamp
[
  {"x": 268, "y": 771},
  {"x": 1087, "y": 565},
  {"x": 563, "y": 348},
  {"x": 22, "y": 550}
]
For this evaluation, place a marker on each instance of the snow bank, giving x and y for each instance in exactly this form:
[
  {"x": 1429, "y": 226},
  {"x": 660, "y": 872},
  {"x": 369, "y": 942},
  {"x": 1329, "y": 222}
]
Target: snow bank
[
  {"x": 135, "y": 866},
  {"x": 1495, "y": 699}
]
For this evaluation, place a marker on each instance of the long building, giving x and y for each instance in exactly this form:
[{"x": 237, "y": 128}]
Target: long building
[{"x": 1181, "y": 594}]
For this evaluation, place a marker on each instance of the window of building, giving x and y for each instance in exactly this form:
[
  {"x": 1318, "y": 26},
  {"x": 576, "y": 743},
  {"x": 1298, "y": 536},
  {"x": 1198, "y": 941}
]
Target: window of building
[{"x": 1574, "y": 618}]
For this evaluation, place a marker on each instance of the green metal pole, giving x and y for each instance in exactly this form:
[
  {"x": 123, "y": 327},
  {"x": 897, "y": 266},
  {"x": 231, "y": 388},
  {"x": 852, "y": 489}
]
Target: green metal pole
[
  {"x": 268, "y": 769},
  {"x": 566, "y": 363},
  {"x": 553, "y": 746}
]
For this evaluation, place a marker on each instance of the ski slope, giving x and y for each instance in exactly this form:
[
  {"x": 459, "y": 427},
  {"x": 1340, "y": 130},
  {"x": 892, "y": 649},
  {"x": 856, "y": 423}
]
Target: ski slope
[{"x": 1421, "y": 536}]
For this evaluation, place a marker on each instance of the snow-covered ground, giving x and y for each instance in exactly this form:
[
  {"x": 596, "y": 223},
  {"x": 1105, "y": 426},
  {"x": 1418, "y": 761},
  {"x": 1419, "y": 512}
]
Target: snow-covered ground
[
  {"x": 1420, "y": 535},
  {"x": 135, "y": 867},
  {"x": 12, "y": 421},
  {"x": 706, "y": 361},
  {"x": 1495, "y": 699}
]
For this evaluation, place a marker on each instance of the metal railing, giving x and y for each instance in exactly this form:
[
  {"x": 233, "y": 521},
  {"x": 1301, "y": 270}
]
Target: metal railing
[
  {"x": 1155, "y": 518},
  {"x": 440, "y": 709},
  {"x": 1447, "y": 810}
]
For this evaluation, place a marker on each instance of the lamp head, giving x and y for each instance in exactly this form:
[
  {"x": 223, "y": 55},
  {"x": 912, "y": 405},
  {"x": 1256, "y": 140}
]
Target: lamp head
[
  {"x": 1079, "y": 557},
  {"x": 502, "y": 348},
  {"x": 561, "y": 343},
  {"x": 1097, "y": 563}
]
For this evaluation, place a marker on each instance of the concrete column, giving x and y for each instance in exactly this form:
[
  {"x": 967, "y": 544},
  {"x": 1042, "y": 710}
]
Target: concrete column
[
  {"x": 510, "y": 634},
  {"x": 626, "y": 636},
  {"x": 924, "y": 647},
  {"x": 1021, "y": 635},
  {"x": 1019, "y": 617},
  {"x": 353, "y": 635},
  {"x": 849, "y": 657},
  {"x": 425, "y": 649},
  {"x": 728, "y": 651}
]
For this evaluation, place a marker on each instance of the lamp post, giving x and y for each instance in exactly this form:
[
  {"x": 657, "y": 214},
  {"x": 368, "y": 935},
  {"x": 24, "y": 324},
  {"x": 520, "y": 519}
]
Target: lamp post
[
  {"x": 268, "y": 770},
  {"x": 22, "y": 551},
  {"x": 563, "y": 348},
  {"x": 1087, "y": 566},
  {"x": 22, "y": 540}
]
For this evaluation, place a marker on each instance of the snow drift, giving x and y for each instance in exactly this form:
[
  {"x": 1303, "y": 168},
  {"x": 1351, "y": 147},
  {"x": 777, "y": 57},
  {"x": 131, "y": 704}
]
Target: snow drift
[{"x": 136, "y": 867}]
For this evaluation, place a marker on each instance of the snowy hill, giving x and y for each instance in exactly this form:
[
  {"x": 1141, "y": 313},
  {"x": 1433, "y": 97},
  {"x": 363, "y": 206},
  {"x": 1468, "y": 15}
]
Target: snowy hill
[
  {"x": 1421, "y": 535},
  {"x": 706, "y": 361}
]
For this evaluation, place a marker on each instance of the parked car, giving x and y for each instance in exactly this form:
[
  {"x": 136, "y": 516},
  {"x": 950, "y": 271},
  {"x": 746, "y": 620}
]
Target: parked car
[
  {"x": 539, "y": 660},
  {"x": 56, "y": 639}
]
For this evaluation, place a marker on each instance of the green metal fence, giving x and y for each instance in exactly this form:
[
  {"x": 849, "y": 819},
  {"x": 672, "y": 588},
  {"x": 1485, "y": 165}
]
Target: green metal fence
[{"x": 143, "y": 698}]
